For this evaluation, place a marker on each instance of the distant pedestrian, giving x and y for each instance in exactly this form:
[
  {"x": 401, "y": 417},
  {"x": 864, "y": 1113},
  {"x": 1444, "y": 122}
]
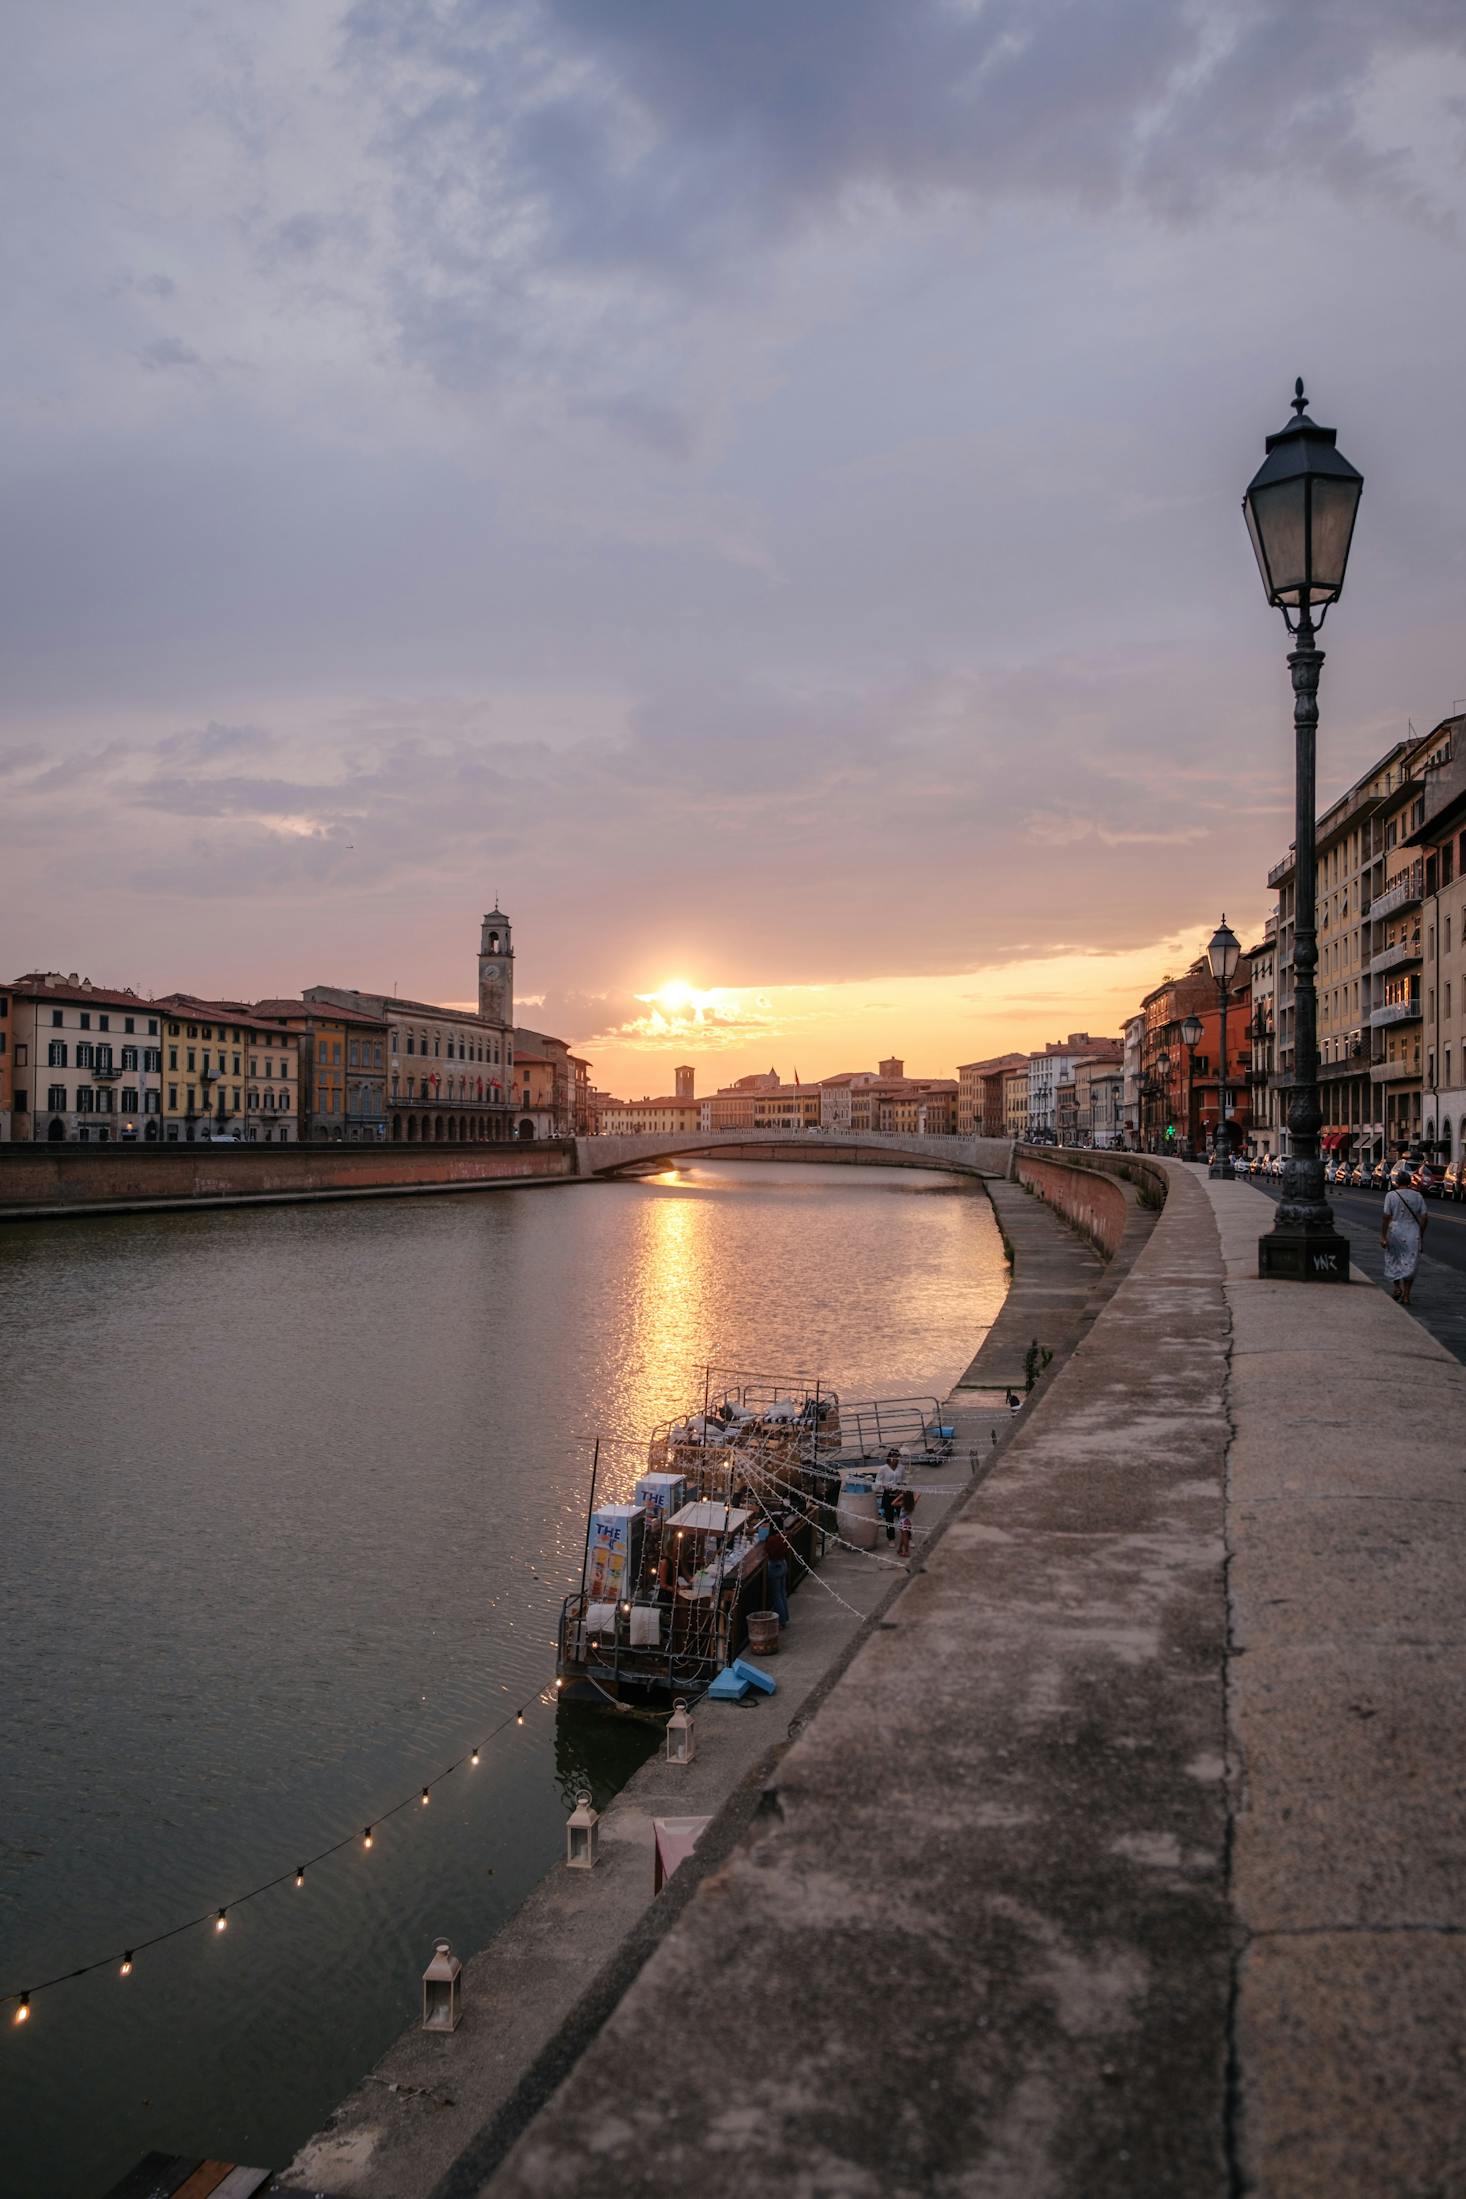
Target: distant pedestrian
[
  {"x": 903, "y": 1539},
  {"x": 889, "y": 1479},
  {"x": 1402, "y": 1228},
  {"x": 1013, "y": 1401}
]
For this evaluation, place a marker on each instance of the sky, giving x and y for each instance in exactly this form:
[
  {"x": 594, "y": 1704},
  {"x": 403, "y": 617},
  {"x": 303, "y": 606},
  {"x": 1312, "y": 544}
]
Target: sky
[{"x": 754, "y": 488}]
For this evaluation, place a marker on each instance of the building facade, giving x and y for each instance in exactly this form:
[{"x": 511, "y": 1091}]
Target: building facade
[
  {"x": 981, "y": 1107},
  {"x": 1053, "y": 1065},
  {"x": 228, "y": 1072},
  {"x": 630, "y": 1117},
  {"x": 1371, "y": 952},
  {"x": 1015, "y": 1102},
  {"x": 449, "y": 1071},
  {"x": 342, "y": 1066},
  {"x": 84, "y": 1061},
  {"x": 1441, "y": 842},
  {"x": 762, "y": 1103}
]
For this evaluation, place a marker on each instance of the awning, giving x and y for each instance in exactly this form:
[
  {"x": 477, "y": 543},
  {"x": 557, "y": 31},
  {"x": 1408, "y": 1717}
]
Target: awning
[{"x": 710, "y": 1518}]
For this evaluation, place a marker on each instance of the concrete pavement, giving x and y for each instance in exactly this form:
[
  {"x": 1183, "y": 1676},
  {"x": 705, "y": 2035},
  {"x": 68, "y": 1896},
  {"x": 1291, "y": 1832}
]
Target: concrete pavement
[{"x": 1346, "y": 1706}]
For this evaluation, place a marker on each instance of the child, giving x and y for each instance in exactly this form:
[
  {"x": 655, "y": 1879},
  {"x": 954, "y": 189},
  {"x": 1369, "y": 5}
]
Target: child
[{"x": 903, "y": 1539}]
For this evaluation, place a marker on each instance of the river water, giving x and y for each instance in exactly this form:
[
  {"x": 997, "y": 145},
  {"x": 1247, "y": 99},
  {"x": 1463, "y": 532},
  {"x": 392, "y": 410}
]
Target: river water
[{"x": 291, "y": 1497}]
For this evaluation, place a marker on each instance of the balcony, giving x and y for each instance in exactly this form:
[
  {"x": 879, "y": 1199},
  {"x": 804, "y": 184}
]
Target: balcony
[
  {"x": 1395, "y": 956},
  {"x": 105, "y": 1072},
  {"x": 209, "y": 1076},
  {"x": 1403, "y": 894},
  {"x": 1406, "y": 1070},
  {"x": 1395, "y": 1011}
]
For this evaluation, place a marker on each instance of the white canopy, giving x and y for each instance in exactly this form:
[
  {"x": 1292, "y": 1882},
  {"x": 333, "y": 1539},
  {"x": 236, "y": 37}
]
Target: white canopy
[{"x": 708, "y": 1517}]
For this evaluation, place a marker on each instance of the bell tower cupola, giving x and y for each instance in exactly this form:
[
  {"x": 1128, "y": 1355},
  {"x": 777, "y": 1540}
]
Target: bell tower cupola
[{"x": 496, "y": 970}]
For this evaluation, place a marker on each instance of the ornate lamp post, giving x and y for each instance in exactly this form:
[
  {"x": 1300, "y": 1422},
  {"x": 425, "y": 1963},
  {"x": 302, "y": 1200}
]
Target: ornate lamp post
[
  {"x": 1301, "y": 506},
  {"x": 1191, "y": 1039},
  {"x": 1222, "y": 951}
]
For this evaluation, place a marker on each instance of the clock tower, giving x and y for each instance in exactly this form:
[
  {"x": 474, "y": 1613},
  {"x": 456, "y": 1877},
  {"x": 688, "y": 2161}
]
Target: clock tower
[{"x": 496, "y": 970}]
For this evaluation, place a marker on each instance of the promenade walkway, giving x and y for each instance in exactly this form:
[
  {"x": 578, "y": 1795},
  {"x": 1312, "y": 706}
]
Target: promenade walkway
[{"x": 1128, "y": 1853}]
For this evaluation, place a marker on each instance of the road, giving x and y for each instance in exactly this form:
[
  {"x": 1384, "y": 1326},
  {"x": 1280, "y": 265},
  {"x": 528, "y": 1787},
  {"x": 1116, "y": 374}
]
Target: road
[{"x": 1439, "y": 1298}]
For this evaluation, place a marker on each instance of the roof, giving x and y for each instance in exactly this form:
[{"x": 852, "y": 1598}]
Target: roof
[
  {"x": 44, "y": 985},
  {"x": 184, "y": 1005},
  {"x": 992, "y": 1067},
  {"x": 329, "y": 1009},
  {"x": 391, "y": 1005}
]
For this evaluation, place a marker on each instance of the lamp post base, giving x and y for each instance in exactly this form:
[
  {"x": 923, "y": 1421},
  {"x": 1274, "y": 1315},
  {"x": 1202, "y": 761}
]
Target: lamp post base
[{"x": 1303, "y": 1256}]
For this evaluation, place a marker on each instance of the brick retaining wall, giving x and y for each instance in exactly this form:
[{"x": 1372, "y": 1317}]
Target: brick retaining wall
[
  {"x": 1095, "y": 1190},
  {"x": 52, "y": 1177}
]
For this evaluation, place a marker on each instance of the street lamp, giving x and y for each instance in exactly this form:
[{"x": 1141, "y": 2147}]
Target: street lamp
[
  {"x": 1301, "y": 506},
  {"x": 1191, "y": 1039},
  {"x": 1222, "y": 951}
]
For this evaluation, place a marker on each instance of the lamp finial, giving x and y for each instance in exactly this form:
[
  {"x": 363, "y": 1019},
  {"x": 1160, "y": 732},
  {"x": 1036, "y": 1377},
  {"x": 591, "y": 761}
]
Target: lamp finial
[{"x": 1300, "y": 402}]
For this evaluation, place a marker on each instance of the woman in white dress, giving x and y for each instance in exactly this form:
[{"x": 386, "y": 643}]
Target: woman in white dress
[{"x": 1401, "y": 1228}]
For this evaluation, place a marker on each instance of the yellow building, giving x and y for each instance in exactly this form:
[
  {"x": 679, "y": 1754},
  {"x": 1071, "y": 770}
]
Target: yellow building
[
  {"x": 1015, "y": 1102},
  {"x": 227, "y": 1072}
]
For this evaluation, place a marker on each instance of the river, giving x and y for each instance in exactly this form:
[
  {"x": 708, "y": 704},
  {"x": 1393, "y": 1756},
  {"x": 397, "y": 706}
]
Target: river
[{"x": 291, "y": 1498}]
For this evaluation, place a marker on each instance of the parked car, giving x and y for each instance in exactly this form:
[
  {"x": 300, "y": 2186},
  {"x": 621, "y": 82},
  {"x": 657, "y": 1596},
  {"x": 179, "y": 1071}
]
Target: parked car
[
  {"x": 1430, "y": 1178},
  {"x": 1454, "y": 1186}
]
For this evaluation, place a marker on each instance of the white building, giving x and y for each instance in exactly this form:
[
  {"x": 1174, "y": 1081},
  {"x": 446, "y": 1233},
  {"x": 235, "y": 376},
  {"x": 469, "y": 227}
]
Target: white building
[
  {"x": 85, "y": 1061},
  {"x": 1055, "y": 1065}
]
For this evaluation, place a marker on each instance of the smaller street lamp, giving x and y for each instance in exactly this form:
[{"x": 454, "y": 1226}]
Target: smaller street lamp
[
  {"x": 1222, "y": 951},
  {"x": 1191, "y": 1039}
]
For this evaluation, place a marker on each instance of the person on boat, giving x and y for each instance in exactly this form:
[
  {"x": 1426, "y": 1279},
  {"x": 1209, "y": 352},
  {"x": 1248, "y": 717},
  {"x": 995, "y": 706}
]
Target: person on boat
[{"x": 776, "y": 1561}]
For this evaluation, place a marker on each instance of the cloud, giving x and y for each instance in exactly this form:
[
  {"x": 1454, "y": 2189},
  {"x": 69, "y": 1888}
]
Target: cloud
[
  {"x": 554, "y": 160},
  {"x": 166, "y": 352}
]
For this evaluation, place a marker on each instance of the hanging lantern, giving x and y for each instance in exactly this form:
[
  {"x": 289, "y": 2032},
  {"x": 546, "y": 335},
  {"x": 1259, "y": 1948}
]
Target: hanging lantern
[
  {"x": 582, "y": 1835},
  {"x": 442, "y": 1990},
  {"x": 681, "y": 1735}
]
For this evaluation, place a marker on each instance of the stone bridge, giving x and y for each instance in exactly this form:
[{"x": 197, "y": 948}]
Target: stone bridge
[{"x": 634, "y": 1154}]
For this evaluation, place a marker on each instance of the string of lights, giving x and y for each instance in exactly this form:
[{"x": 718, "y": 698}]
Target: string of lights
[
  {"x": 807, "y": 1569},
  {"x": 125, "y": 1960}
]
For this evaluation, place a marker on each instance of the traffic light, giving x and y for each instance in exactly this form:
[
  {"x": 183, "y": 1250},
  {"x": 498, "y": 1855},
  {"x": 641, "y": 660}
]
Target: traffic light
[{"x": 1170, "y": 1131}]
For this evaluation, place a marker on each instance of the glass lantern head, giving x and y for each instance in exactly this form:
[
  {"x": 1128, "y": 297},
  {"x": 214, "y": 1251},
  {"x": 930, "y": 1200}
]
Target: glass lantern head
[
  {"x": 1223, "y": 950},
  {"x": 1191, "y": 1031},
  {"x": 1300, "y": 508}
]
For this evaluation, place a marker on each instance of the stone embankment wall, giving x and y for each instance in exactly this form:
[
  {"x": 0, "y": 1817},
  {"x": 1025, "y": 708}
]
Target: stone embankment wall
[
  {"x": 1099, "y": 1192},
  {"x": 49, "y": 1179}
]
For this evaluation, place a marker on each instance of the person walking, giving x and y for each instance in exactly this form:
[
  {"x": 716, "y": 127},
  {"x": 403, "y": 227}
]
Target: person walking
[
  {"x": 1402, "y": 1228},
  {"x": 889, "y": 1480},
  {"x": 903, "y": 1539}
]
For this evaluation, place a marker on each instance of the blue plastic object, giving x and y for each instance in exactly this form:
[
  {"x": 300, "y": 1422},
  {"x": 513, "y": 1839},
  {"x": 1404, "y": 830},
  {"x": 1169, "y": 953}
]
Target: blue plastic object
[
  {"x": 729, "y": 1686},
  {"x": 755, "y": 1676}
]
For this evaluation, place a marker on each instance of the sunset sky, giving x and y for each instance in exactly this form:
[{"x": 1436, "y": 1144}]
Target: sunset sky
[{"x": 756, "y": 488}]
